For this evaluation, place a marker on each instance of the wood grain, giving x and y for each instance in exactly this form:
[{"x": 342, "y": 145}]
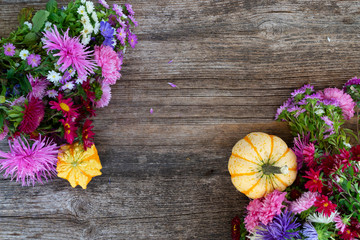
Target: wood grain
[{"x": 165, "y": 174}]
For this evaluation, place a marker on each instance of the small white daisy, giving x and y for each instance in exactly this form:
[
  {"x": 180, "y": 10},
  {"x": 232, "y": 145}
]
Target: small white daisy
[
  {"x": 28, "y": 24},
  {"x": 81, "y": 10},
  {"x": 53, "y": 76},
  {"x": 24, "y": 54},
  {"x": 86, "y": 39},
  {"x": 96, "y": 27},
  {"x": 52, "y": 93},
  {"x": 85, "y": 20},
  {"x": 94, "y": 17},
  {"x": 89, "y": 7},
  {"x": 88, "y": 29},
  {"x": 68, "y": 85},
  {"x": 47, "y": 26},
  {"x": 71, "y": 72},
  {"x": 57, "y": 66}
]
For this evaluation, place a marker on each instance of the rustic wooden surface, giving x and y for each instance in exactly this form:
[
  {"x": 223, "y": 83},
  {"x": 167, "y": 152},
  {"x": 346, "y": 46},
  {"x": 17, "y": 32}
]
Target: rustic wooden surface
[{"x": 165, "y": 175}]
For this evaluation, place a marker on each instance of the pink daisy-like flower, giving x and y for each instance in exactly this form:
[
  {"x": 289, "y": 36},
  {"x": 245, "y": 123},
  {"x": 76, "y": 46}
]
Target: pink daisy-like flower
[
  {"x": 38, "y": 85},
  {"x": 9, "y": 49},
  {"x": 132, "y": 39},
  {"x": 3, "y": 132},
  {"x": 121, "y": 36},
  {"x": 105, "y": 97},
  {"x": 129, "y": 9},
  {"x": 29, "y": 162},
  {"x": 109, "y": 62},
  {"x": 118, "y": 10},
  {"x": 339, "y": 224},
  {"x": 132, "y": 18},
  {"x": 33, "y": 115},
  {"x": 34, "y": 60},
  {"x": 71, "y": 52},
  {"x": 263, "y": 210},
  {"x": 303, "y": 203},
  {"x": 345, "y": 101},
  {"x": 104, "y": 4}
]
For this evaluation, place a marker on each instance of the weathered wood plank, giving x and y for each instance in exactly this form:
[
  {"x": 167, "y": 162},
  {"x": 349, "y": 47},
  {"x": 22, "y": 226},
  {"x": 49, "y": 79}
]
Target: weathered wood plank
[{"x": 165, "y": 174}]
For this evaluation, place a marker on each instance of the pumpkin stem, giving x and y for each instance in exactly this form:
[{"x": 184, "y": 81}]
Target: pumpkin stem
[{"x": 270, "y": 169}]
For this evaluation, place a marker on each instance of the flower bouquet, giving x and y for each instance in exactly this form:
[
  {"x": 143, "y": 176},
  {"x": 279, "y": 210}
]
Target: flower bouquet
[
  {"x": 324, "y": 200},
  {"x": 56, "y": 69}
]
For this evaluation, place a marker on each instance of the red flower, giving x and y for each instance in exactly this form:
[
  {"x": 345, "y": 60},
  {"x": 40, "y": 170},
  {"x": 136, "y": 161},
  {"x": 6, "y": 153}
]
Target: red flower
[
  {"x": 33, "y": 115},
  {"x": 315, "y": 184},
  {"x": 344, "y": 158},
  {"x": 355, "y": 152},
  {"x": 87, "y": 89},
  {"x": 69, "y": 130},
  {"x": 64, "y": 105},
  {"x": 347, "y": 234},
  {"x": 308, "y": 153},
  {"x": 324, "y": 205},
  {"x": 330, "y": 164},
  {"x": 235, "y": 228},
  {"x": 87, "y": 134}
]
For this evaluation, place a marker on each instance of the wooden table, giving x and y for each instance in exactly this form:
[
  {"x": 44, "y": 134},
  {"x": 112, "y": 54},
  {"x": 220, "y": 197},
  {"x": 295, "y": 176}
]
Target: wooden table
[{"x": 165, "y": 174}]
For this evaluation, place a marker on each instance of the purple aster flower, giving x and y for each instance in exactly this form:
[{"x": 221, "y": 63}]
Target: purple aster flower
[
  {"x": 309, "y": 232},
  {"x": 313, "y": 96},
  {"x": 327, "y": 121},
  {"x": 109, "y": 42},
  {"x": 282, "y": 227},
  {"x": 118, "y": 10},
  {"x": 283, "y": 107},
  {"x": 29, "y": 162},
  {"x": 104, "y": 4},
  {"x": 306, "y": 87},
  {"x": 34, "y": 60},
  {"x": 303, "y": 101},
  {"x": 129, "y": 9},
  {"x": 132, "y": 18},
  {"x": 297, "y": 114},
  {"x": 66, "y": 77},
  {"x": 106, "y": 30},
  {"x": 353, "y": 81},
  {"x": 294, "y": 108},
  {"x": 328, "y": 102},
  {"x": 297, "y": 92},
  {"x": 329, "y": 134},
  {"x": 132, "y": 40},
  {"x": 9, "y": 49},
  {"x": 121, "y": 36}
]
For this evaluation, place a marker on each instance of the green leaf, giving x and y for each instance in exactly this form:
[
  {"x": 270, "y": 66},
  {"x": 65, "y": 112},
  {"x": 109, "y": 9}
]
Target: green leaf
[
  {"x": 1, "y": 121},
  {"x": 25, "y": 84},
  {"x": 51, "y": 6},
  {"x": 30, "y": 38},
  {"x": 39, "y": 20}
]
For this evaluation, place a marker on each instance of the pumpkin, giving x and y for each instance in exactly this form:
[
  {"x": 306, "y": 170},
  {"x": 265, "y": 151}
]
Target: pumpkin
[{"x": 261, "y": 163}]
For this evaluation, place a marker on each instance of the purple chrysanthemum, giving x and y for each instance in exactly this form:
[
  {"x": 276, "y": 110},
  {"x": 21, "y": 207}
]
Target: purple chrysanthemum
[
  {"x": 309, "y": 232},
  {"x": 9, "y": 49},
  {"x": 34, "y": 60},
  {"x": 38, "y": 86},
  {"x": 29, "y": 162},
  {"x": 282, "y": 227},
  {"x": 71, "y": 52},
  {"x": 300, "y": 142},
  {"x": 132, "y": 40},
  {"x": 129, "y": 9}
]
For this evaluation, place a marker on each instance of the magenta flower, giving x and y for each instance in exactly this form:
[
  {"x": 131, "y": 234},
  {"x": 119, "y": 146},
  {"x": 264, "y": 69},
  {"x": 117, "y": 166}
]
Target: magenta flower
[
  {"x": 109, "y": 62},
  {"x": 303, "y": 203},
  {"x": 29, "y": 162},
  {"x": 9, "y": 49},
  {"x": 38, "y": 85},
  {"x": 129, "y": 9},
  {"x": 34, "y": 60},
  {"x": 33, "y": 115},
  {"x": 105, "y": 97},
  {"x": 118, "y": 10},
  {"x": 132, "y": 40},
  {"x": 345, "y": 101},
  {"x": 132, "y": 18},
  {"x": 121, "y": 36},
  {"x": 3, "y": 132},
  {"x": 71, "y": 52}
]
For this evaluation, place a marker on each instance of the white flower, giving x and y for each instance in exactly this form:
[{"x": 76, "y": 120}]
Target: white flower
[
  {"x": 24, "y": 54},
  {"x": 83, "y": 1},
  {"x": 94, "y": 17},
  {"x": 96, "y": 27},
  {"x": 68, "y": 85},
  {"x": 28, "y": 24},
  {"x": 71, "y": 72},
  {"x": 85, "y": 20},
  {"x": 47, "y": 26},
  {"x": 113, "y": 42},
  {"x": 53, "y": 76},
  {"x": 88, "y": 29},
  {"x": 347, "y": 144},
  {"x": 321, "y": 218},
  {"x": 52, "y": 93},
  {"x": 89, "y": 7},
  {"x": 81, "y": 10},
  {"x": 79, "y": 81},
  {"x": 86, "y": 39},
  {"x": 57, "y": 66}
]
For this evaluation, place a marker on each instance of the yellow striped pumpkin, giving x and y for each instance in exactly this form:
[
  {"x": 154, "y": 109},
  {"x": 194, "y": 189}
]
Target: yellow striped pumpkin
[{"x": 261, "y": 163}]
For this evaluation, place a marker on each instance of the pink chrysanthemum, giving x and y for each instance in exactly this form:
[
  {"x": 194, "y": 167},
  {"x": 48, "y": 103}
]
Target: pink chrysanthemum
[
  {"x": 303, "y": 203},
  {"x": 34, "y": 60},
  {"x": 38, "y": 85},
  {"x": 345, "y": 101},
  {"x": 300, "y": 142},
  {"x": 3, "y": 132},
  {"x": 105, "y": 97},
  {"x": 109, "y": 62},
  {"x": 9, "y": 49},
  {"x": 33, "y": 115},
  {"x": 71, "y": 52},
  {"x": 29, "y": 162},
  {"x": 339, "y": 224},
  {"x": 264, "y": 210}
]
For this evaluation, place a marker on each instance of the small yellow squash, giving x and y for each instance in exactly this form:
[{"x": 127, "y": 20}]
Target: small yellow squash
[{"x": 261, "y": 163}]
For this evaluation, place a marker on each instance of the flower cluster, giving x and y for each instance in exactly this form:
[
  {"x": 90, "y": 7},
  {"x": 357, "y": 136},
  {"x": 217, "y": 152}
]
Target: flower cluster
[
  {"x": 324, "y": 202},
  {"x": 57, "y": 68}
]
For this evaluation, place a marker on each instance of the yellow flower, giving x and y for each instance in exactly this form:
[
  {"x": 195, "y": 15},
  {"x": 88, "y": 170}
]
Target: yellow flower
[{"x": 77, "y": 165}]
